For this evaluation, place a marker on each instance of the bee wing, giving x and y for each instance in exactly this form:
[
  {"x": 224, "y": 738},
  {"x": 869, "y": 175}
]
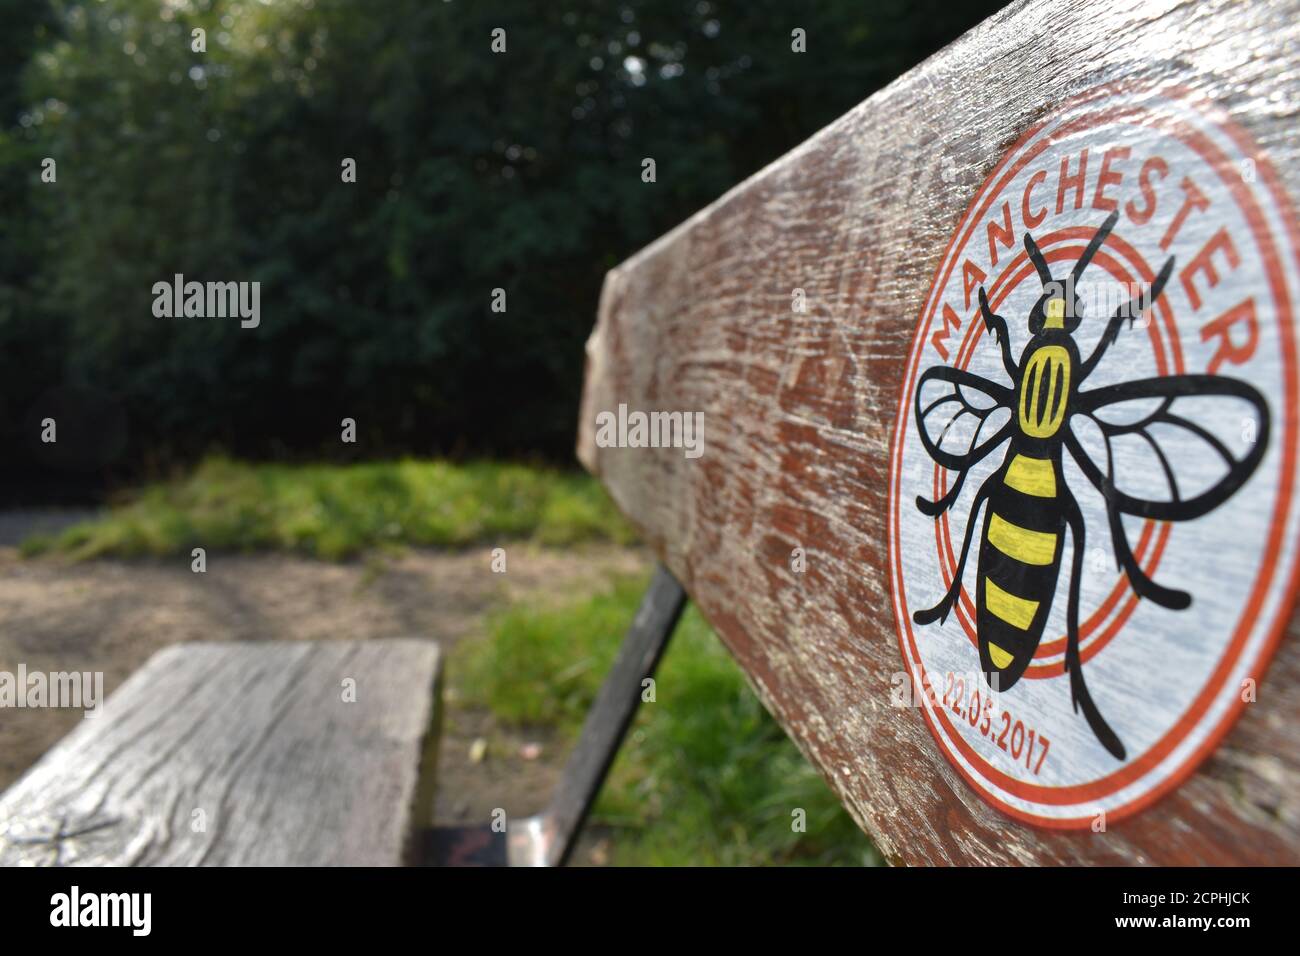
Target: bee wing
[
  {"x": 1196, "y": 438},
  {"x": 953, "y": 407}
]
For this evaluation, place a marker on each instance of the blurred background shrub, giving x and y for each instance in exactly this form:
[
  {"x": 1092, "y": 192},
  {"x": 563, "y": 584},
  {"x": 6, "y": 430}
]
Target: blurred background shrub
[{"x": 476, "y": 171}]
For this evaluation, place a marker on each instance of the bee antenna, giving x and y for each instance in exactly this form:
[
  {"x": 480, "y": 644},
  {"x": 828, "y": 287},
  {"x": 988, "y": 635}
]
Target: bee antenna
[
  {"x": 1040, "y": 264},
  {"x": 1098, "y": 238}
]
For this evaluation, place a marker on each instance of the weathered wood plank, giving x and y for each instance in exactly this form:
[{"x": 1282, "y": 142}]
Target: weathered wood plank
[
  {"x": 800, "y": 409},
  {"x": 242, "y": 754}
]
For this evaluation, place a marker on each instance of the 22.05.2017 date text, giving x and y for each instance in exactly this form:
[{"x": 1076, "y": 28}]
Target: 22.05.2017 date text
[{"x": 969, "y": 700}]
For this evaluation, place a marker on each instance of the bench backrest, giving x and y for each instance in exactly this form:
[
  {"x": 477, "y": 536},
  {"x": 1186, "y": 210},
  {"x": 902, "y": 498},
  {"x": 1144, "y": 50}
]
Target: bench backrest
[{"x": 798, "y": 314}]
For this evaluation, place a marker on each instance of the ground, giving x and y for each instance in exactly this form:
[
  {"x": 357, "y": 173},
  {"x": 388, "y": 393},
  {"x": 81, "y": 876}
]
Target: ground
[{"x": 111, "y": 615}]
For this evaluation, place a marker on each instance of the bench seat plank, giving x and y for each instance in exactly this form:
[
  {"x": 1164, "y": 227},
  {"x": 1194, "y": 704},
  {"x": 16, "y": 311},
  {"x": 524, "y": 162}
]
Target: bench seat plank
[{"x": 242, "y": 754}]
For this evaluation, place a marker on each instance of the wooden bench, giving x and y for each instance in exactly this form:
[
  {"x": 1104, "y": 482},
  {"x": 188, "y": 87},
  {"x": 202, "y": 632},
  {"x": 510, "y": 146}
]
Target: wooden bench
[
  {"x": 953, "y": 234},
  {"x": 1065, "y": 182},
  {"x": 296, "y": 754},
  {"x": 250, "y": 754}
]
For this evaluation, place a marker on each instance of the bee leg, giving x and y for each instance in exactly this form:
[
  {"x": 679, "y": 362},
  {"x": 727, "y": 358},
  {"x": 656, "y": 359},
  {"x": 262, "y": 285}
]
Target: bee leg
[
  {"x": 1143, "y": 586},
  {"x": 997, "y": 327},
  {"x": 1078, "y": 688},
  {"x": 1131, "y": 310},
  {"x": 940, "y": 611},
  {"x": 937, "y": 507}
]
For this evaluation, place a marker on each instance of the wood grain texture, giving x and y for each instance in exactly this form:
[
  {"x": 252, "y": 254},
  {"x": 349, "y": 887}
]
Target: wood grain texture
[
  {"x": 255, "y": 741},
  {"x": 799, "y": 411}
]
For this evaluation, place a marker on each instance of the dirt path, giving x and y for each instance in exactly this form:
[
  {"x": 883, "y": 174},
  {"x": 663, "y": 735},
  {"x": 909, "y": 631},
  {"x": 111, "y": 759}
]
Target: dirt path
[{"x": 111, "y": 616}]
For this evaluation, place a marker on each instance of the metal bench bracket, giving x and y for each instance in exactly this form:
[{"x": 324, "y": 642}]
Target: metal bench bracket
[{"x": 548, "y": 838}]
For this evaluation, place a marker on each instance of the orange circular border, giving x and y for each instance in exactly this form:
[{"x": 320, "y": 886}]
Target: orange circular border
[{"x": 1273, "y": 258}]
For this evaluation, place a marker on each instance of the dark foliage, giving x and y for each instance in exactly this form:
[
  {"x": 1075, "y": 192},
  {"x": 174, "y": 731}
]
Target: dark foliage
[{"x": 476, "y": 171}]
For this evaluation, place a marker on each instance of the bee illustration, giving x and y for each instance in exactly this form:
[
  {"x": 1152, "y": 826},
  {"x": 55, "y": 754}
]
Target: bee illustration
[{"x": 1028, "y": 507}]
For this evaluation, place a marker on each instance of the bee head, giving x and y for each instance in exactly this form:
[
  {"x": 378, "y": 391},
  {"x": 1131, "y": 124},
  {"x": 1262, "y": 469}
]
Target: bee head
[{"x": 1056, "y": 308}]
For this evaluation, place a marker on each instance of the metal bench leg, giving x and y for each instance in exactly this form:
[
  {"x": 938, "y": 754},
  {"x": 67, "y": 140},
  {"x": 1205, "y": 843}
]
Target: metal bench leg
[{"x": 548, "y": 838}]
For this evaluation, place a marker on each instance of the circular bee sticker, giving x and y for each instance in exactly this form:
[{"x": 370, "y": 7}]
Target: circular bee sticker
[{"x": 1093, "y": 482}]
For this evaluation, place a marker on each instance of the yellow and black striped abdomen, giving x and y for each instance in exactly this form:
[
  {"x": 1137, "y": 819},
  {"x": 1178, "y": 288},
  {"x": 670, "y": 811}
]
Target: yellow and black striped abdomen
[{"x": 1019, "y": 563}]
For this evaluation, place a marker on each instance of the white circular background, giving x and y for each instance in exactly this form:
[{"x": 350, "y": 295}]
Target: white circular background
[{"x": 1153, "y": 680}]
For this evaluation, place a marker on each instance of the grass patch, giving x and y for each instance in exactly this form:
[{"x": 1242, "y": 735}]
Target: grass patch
[
  {"x": 706, "y": 777},
  {"x": 338, "y": 511}
]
